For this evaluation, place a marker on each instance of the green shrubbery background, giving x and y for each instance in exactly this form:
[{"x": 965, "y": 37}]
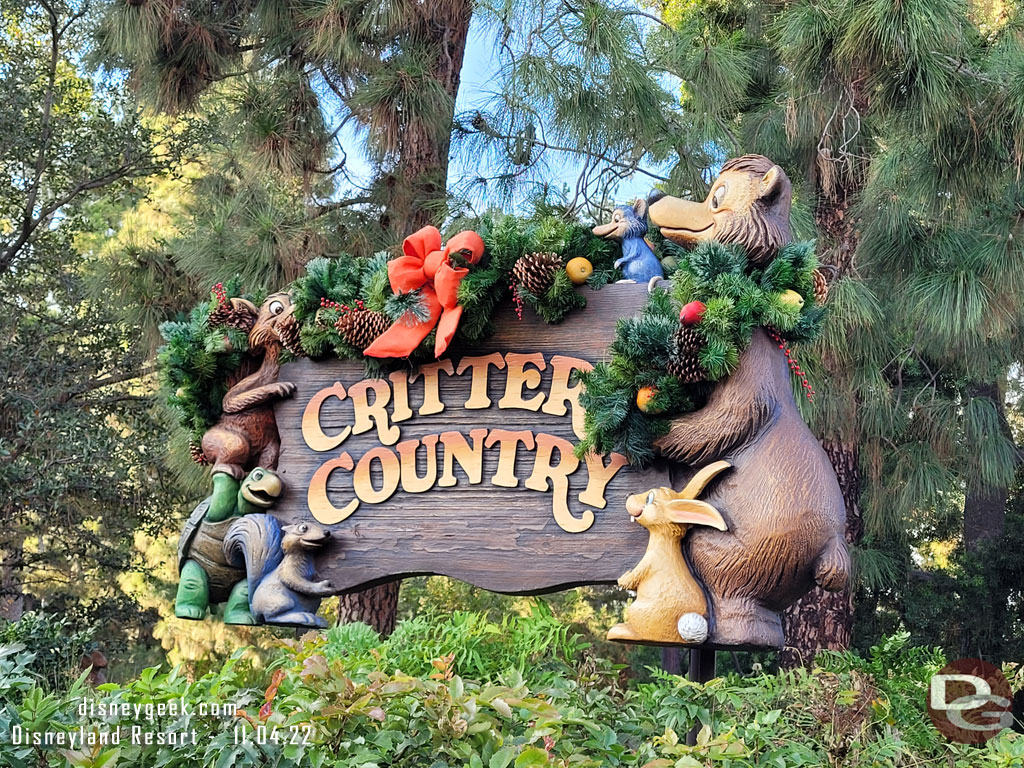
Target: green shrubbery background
[{"x": 464, "y": 690}]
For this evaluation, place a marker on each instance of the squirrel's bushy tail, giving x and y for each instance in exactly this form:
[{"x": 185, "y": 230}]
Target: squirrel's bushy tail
[
  {"x": 832, "y": 569},
  {"x": 254, "y": 543}
]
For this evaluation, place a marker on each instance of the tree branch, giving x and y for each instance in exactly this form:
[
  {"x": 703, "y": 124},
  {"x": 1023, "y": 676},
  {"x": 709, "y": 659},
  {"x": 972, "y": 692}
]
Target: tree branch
[
  {"x": 326, "y": 208},
  {"x": 577, "y": 151},
  {"x": 29, "y": 223},
  {"x": 106, "y": 381}
]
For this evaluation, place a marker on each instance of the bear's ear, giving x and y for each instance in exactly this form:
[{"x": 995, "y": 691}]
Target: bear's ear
[
  {"x": 772, "y": 182},
  {"x": 640, "y": 208}
]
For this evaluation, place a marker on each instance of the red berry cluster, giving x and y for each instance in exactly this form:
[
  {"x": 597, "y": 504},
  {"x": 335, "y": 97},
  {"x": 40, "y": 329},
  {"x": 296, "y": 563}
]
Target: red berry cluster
[
  {"x": 326, "y": 303},
  {"x": 220, "y": 293},
  {"x": 794, "y": 366},
  {"x": 516, "y": 299}
]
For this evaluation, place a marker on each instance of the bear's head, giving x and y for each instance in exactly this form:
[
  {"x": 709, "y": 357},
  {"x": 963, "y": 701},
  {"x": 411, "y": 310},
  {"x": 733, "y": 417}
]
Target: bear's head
[{"x": 748, "y": 204}]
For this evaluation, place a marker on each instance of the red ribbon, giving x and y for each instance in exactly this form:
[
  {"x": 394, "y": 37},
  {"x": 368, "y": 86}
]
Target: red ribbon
[{"x": 427, "y": 268}]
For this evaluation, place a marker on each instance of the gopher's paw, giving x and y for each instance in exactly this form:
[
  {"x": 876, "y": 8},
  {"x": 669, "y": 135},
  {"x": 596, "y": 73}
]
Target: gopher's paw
[{"x": 285, "y": 388}]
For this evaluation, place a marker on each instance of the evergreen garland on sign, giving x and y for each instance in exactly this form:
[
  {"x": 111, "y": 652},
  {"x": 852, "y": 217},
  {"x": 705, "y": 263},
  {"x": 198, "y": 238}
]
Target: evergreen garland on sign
[
  {"x": 340, "y": 303},
  {"x": 345, "y": 281},
  {"x": 199, "y": 358},
  {"x": 630, "y": 399}
]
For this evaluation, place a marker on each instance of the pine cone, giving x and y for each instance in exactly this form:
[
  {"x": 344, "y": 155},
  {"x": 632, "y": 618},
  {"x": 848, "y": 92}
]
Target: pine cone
[
  {"x": 361, "y": 327},
  {"x": 198, "y": 455},
  {"x": 820, "y": 288},
  {"x": 685, "y": 361},
  {"x": 536, "y": 271},
  {"x": 221, "y": 314},
  {"x": 288, "y": 332},
  {"x": 226, "y": 314}
]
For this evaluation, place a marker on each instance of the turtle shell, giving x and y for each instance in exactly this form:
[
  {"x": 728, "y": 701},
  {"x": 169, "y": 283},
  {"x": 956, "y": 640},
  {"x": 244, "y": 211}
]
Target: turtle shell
[
  {"x": 203, "y": 542},
  {"x": 188, "y": 533}
]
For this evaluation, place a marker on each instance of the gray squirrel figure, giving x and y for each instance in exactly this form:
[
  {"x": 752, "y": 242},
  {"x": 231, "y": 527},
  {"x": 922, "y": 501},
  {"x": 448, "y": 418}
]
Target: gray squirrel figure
[
  {"x": 278, "y": 562},
  {"x": 628, "y": 226}
]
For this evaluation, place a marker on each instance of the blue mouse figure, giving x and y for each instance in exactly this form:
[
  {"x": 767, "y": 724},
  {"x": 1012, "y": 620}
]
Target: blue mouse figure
[{"x": 629, "y": 225}]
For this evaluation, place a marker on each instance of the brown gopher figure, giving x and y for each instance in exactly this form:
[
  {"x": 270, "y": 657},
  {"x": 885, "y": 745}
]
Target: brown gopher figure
[
  {"x": 781, "y": 503},
  {"x": 246, "y": 434}
]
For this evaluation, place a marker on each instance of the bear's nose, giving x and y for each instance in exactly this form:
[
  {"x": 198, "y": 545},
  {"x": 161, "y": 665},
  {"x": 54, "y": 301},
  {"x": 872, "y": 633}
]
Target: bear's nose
[
  {"x": 654, "y": 196},
  {"x": 327, "y": 534}
]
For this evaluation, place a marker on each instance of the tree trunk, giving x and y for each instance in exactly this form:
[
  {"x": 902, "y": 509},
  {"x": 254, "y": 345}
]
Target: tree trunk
[
  {"x": 825, "y": 619},
  {"x": 422, "y": 170},
  {"x": 421, "y": 185},
  {"x": 985, "y": 506},
  {"x": 12, "y": 598},
  {"x": 375, "y": 606}
]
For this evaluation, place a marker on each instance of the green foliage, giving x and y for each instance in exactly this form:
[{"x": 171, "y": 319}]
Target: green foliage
[
  {"x": 537, "y": 646},
  {"x": 50, "y": 648},
  {"x": 972, "y": 604},
  {"x": 738, "y": 299},
  {"x": 359, "y": 701},
  {"x": 80, "y": 447}
]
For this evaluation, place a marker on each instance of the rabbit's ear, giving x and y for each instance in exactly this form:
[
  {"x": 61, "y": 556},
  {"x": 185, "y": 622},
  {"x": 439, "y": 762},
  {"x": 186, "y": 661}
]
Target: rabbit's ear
[
  {"x": 640, "y": 208},
  {"x": 692, "y": 512},
  {"x": 704, "y": 476}
]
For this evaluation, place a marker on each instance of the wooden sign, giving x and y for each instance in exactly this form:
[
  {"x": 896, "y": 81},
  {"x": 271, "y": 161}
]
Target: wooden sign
[{"x": 465, "y": 467}]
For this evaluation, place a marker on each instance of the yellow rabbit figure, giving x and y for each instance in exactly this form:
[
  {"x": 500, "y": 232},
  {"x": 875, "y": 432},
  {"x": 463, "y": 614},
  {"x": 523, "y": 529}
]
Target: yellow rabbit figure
[{"x": 670, "y": 607}]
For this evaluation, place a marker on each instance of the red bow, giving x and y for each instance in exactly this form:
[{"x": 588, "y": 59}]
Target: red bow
[{"x": 428, "y": 268}]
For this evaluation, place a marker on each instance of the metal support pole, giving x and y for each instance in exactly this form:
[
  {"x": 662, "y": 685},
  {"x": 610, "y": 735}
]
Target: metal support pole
[{"x": 672, "y": 659}]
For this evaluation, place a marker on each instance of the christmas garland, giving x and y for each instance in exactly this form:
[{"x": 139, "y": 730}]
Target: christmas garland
[
  {"x": 343, "y": 304},
  {"x": 691, "y": 334}
]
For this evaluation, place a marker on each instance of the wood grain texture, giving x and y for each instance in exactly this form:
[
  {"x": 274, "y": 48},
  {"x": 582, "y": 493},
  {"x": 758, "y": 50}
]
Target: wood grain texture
[{"x": 505, "y": 539}]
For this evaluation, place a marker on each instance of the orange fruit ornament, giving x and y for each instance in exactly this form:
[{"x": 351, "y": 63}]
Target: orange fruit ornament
[
  {"x": 579, "y": 270},
  {"x": 644, "y": 397}
]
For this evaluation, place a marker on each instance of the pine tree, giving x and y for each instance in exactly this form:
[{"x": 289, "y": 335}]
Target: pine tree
[
  {"x": 299, "y": 73},
  {"x": 900, "y": 124}
]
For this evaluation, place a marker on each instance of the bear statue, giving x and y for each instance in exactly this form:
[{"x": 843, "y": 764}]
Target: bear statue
[{"x": 781, "y": 503}]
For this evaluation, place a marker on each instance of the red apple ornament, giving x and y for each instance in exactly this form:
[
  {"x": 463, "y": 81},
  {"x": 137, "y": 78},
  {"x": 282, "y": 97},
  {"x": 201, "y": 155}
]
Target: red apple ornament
[{"x": 692, "y": 313}]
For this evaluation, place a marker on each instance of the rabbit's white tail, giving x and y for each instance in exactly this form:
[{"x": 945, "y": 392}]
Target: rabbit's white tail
[{"x": 692, "y": 628}]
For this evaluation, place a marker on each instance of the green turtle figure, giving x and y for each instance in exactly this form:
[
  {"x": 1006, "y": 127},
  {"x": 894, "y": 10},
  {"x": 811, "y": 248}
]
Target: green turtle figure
[{"x": 206, "y": 576}]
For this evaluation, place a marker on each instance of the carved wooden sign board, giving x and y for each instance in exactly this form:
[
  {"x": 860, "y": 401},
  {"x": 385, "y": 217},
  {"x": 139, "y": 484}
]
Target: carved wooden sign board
[{"x": 465, "y": 467}]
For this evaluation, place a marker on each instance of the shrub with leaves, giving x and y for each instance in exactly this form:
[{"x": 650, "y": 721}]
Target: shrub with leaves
[
  {"x": 50, "y": 647},
  {"x": 345, "y": 698}
]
